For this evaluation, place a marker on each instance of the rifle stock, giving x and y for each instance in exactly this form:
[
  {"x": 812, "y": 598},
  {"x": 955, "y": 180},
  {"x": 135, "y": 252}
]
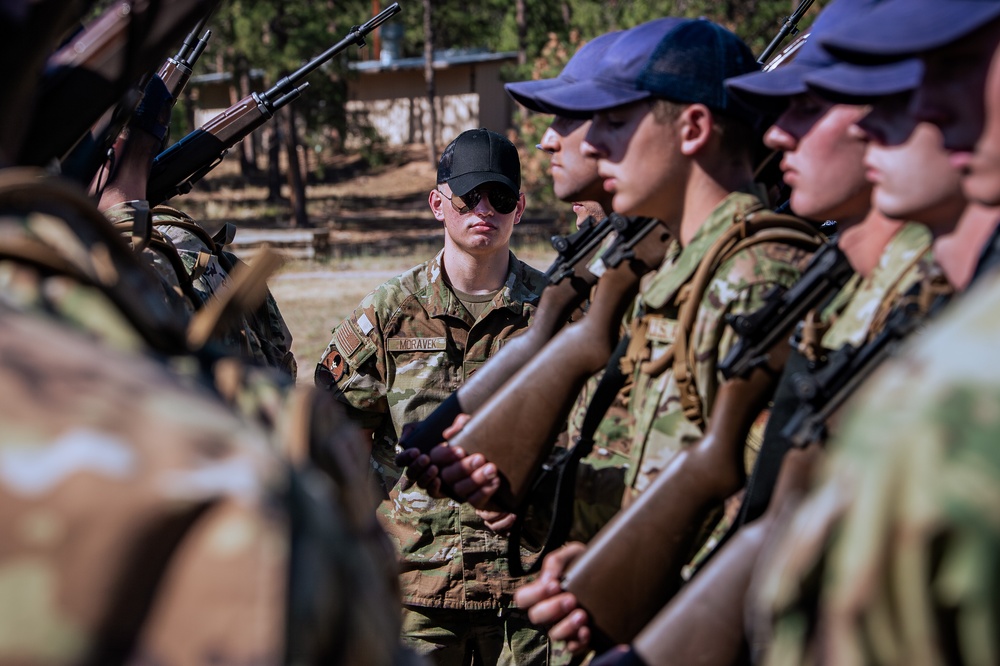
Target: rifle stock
[
  {"x": 706, "y": 623},
  {"x": 570, "y": 283},
  {"x": 178, "y": 168},
  {"x": 661, "y": 526},
  {"x": 94, "y": 69},
  {"x": 516, "y": 428}
]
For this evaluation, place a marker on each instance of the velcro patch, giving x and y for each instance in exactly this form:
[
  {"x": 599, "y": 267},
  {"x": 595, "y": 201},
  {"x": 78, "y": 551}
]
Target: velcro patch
[
  {"x": 334, "y": 362},
  {"x": 661, "y": 329},
  {"x": 416, "y": 344},
  {"x": 365, "y": 324},
  {"x": 347, "y": 340}
]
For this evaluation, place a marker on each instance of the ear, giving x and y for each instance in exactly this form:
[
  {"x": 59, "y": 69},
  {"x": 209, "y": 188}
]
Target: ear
[
  {"x": 694, "y": 125},
  {"x": 519, "y": 211},
  {"x": 436, "y": 202}
]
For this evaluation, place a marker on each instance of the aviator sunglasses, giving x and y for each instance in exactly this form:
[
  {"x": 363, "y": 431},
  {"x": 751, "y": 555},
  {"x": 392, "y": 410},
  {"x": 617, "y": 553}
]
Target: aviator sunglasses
[{"x": 503, "y": 200}]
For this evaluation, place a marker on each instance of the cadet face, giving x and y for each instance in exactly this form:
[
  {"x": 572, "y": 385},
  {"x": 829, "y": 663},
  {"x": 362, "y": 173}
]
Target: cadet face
[
  {"x": 960, "y": 94},
  {"x": 823, "y": 162},
  {"x": 638, "y": 160},
  {"x": 482, "y": 230},
  {"x": 909, "y": 167},
  {"x": 574, "y": 175}
]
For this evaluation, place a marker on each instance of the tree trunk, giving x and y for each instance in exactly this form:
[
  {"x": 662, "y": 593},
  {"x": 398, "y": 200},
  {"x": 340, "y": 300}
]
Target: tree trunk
[
  {"x": 273, "y": 168},
  {"x": 296, "y": 184},
  {"x": 521, "y": 19},
  {"x": 241, "y": 79},
  {"x": 430, "y": 134}
]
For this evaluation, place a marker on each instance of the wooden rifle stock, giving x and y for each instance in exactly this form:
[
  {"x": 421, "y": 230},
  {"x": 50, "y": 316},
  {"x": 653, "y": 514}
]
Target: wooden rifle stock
[
  {"x": 660, "y": 528},
  {"x": 516, "y": 428},
  {"x": 178, "y": 168},
  {"x": 92, "y": 72},
  {"x": 570, "y": 283},
  {"x": 662, "y": 524},
  {"x": 706, "y": 623}
]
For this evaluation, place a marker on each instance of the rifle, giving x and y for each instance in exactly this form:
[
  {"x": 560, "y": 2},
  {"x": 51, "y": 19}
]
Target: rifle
[
  {"x": 663, "y": 523},
  {"x": 569, "y": 283},
  {"x": 98, "y": 66},
  {"x": 787, "y": 28},
  {"x": 517, "y": 426},
  {"x": 717, "y": 593},
  {"x": 178, "y": 168}
]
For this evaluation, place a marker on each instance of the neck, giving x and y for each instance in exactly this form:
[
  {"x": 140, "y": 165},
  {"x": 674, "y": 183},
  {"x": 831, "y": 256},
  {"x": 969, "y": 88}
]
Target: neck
[
  {"x": 957, "y": 253},
  {"x": 864, "y": 242},
  {"x": 705, "y": 190},
  {"x": 476, "y": 273}
]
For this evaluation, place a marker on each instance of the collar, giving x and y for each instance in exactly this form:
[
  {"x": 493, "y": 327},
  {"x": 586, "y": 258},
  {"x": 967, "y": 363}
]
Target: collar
[
  {"x": 519, "y": 288},
  {"x": 681, "y": 263}
]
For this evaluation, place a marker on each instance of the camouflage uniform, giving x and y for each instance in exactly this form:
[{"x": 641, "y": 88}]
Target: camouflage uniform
[
  {"x": 894, "y": 551},
  {"x": 204, "y": 268},
  {"x": 904, "y": 261},
  {"x": 660, "y": 427},
  {"x": 406, "y": 348},
  {"x": 143, "y": 520}
]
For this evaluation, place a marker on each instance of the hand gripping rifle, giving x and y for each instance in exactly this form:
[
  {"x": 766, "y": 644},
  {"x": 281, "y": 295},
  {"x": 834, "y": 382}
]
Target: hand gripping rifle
[
  {"x": 662, "y": 524},
  {"x": 570, "y": 280},
  {"x": 517, "y": 426},
  {"x": 716, "y": 596},
  {"x": 178, "y": 168}
]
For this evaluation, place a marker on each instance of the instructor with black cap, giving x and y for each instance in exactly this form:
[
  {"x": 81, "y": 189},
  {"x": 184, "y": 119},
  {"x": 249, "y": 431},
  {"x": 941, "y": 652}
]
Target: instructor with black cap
[{"x": 406, "y": 348}]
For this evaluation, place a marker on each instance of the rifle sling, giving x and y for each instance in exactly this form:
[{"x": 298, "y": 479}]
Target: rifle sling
[{"x": 566, "y": 467}]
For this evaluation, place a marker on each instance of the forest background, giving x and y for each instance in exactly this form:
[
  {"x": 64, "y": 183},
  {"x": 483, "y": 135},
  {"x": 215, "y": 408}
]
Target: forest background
[{"x": 319, "y": 168}]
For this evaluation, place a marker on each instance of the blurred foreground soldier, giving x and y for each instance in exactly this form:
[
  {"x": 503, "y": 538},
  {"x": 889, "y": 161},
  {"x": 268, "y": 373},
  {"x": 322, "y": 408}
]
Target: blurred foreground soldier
[
  {"x": 902, "y": 523},
  {"x": 406, "y": 348},
  {"x": 143, "y": 519}
]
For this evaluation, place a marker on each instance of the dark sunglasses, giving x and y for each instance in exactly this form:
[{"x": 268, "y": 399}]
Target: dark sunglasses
[{"x": 503, "y": 200}]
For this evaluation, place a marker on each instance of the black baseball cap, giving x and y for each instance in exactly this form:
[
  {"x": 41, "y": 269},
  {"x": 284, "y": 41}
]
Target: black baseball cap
[{"x": 478, "y": 156}]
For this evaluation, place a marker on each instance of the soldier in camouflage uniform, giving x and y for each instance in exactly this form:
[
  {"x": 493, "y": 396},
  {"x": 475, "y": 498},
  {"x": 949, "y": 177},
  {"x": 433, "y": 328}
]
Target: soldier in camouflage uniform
[
  {"x": 406, "y": 348},
  {"x": 902, "y": 523},
  {"x": 643, "y": 119},
  {"x": 144, "y": 521}
]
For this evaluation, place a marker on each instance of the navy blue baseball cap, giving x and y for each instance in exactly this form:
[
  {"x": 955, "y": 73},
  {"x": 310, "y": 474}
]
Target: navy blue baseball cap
[
  {"x": 580, "y": 66},
  {"x": 848, "y": 83},
  {"x": 683, "y": 60},
  {"x": 773, "y": 87},
  {"x": 478, "y": 156},
  {"x": 901, "y": 28}
]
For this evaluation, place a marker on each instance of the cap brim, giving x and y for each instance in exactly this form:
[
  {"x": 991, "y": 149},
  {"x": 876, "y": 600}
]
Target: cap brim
[
  {"x": 851, "y": 83},
  {"x": 767, "y": 90},
  {"x": 584, "y": 98},
  {"x": 462, "y": 185},
  {"x": 525, "y": 93},
  {"x": 900, "y": 28}
]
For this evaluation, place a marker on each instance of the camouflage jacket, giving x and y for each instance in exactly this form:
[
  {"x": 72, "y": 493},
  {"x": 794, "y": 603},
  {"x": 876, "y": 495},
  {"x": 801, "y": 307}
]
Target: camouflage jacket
[
  {"x": 861, "y": 311},
  {"x": 204, "y": 268},
  {"x": 406, "y": 348},
  {"x": 660, "y": 426},
  {"x": 895, "y": 548}
]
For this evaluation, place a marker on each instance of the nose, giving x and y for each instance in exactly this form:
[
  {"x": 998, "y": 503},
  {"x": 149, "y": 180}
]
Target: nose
[
  {"x": 550, "y": 142},
  {"x": 778, "y": 138}
]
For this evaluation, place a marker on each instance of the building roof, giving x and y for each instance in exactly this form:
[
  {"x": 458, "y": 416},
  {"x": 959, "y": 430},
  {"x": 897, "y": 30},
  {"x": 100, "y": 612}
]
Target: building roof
[{"x": 441, "y": 60}]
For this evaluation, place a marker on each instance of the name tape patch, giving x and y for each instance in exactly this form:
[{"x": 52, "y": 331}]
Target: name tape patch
[{"x": 417, "y": 344}]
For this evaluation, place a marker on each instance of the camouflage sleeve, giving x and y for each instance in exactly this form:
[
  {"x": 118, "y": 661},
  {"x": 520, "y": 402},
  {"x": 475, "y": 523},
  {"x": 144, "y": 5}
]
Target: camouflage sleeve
[{"x": 353, "y": 366}]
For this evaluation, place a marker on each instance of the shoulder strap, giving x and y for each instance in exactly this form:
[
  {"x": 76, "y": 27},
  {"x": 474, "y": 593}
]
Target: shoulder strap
[{"x": 755, "y": 227}]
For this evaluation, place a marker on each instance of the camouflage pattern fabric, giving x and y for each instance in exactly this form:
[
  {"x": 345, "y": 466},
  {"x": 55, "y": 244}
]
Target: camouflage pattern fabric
[
  {"x": 406, "y": 348},
  {"x": 904, "y": 261},
  {"x": 262, "y": 337},
  {"x": 892, "y": 558},
  {"x": 660, "y": 426},
  {"x": 143, "y": 522}
]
